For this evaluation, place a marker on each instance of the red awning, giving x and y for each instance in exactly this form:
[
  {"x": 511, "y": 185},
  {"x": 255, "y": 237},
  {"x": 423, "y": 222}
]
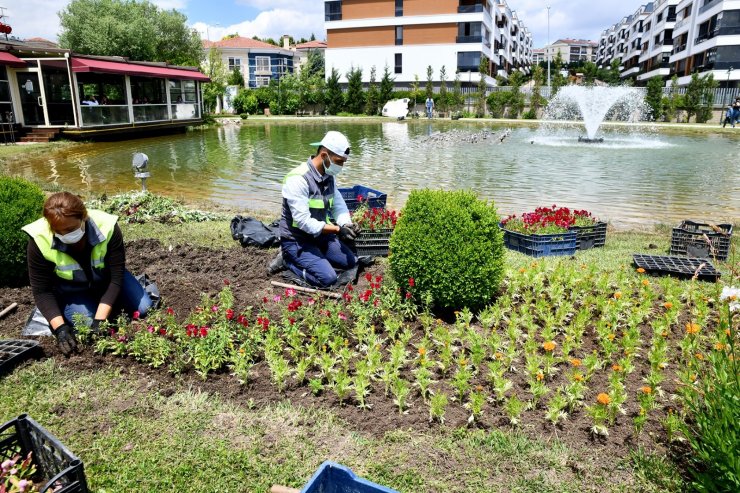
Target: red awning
[
  {"x": 8, "y": 59},
  {"x": 92, "y": 65}
]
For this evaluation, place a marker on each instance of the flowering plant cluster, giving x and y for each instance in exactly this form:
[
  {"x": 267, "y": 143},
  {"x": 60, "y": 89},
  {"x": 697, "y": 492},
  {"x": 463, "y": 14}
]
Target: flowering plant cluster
[
  {"x": 374, "y": 219},
  {"x": 548, "y": 220},
  {"x": 15, "y": 475}
]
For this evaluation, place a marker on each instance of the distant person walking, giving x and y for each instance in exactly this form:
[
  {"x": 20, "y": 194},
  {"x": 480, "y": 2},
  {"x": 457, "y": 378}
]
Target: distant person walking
[
  {"x": 735, "y": 112},
  {"x": 430, "y": 107}
]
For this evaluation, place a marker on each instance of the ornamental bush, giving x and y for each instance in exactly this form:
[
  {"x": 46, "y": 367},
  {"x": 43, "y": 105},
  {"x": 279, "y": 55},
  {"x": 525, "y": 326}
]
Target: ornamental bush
[
  {"x": 23, "y": 202},
  {"x": 451, "y": 245}
]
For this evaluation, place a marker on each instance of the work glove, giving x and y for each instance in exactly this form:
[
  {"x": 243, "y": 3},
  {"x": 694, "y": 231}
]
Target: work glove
[
  {"x": 95, "y": 328},
  {"x": 65, "y": 339},
  {"x": 347, "y": 233},
  {"x": 356, "y": 228}
]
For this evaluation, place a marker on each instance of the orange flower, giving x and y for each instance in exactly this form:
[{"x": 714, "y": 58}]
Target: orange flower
[
  {"x": 548, "y": 346},
  {"x": 646, "y": 390},
  {"x": 498, "y": 355},
  {"x": 603, "y": 399},
  {"x": 699, "y": 356},
  {"x": 727, "y": 332},
  {"x": 522, "y": 270},
  {"x": 645, "y": 282},
  {"x": 479, "y": 388},
  {"x": 692, "y": 328},
  {"x": 667, "y": 305},
  {"x": 664, "y": 333},
  {"x": 578, "y": 377},
  {"x": 719, "y": 346},
  {"x": 617, "y": 295},
  {"x": 640, "y": 270},
  {"x": 540, "y": 376},
  {"x": 575, "y": 362},
  {"x": 610, "y": 337},
  {"x": 422, "y": 351},
  {"x": 616, "y": 367}
]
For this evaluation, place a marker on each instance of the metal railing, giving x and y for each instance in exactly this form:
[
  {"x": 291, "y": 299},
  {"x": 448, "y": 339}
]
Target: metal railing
[{"x": 708, "y": 5}]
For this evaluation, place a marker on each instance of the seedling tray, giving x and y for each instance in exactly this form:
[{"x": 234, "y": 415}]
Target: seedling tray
[
  {"x": 374, "y": 243},
  {"x": 15, "y": 351},
  {"x": 373, "y": 198},
  {"x": 331, "y": 477},
  {"x": 588, "y": 237},
  {"x": 689, "y": 239},
  {"x": 541, "y": 245},
  {"x": 60, "y": 468},
  {"x": 677, "y": 266}
]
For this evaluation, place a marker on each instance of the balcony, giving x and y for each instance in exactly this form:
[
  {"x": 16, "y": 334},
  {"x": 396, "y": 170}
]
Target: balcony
[
  {"x": 704, "y": 37},
  {"x": 469, "y": 39},
  {"x": 470, "y": 9},
  {"x": 708, "y": 6},
  {"x": 678, "y": 49}
]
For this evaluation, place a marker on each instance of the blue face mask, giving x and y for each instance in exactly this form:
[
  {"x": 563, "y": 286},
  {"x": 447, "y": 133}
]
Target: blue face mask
[{"x": 333, "y": 169}]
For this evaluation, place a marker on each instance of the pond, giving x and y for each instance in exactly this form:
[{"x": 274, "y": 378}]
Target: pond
[{"x": 631, "y": 179}]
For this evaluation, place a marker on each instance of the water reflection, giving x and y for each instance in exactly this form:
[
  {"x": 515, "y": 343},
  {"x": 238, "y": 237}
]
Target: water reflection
[{"x": 629, "y": 179}]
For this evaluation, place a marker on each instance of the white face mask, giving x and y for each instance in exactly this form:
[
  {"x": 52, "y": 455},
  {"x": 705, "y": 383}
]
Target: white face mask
[
  {"x": 72, "y": 237},
  {"x": 332, "y": 170}
]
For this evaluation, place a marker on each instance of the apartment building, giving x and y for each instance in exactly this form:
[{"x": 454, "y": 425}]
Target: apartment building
[
  {"x": 680, "y": 37},
  {"x": 410, "y": 35},
  {"x": 571, "y": 50},
  {"x": 258, "y": 61}
]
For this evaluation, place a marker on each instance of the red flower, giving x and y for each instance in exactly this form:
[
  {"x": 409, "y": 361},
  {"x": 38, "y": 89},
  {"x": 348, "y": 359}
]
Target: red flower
[
  {"x": 378, "y": 280},
  {"x": 203, "y": 331},
  {"x": 412, "y": 283},
  {"x": 229, "y": 314},
  {"x": 369, "y": 277},
  {"x": 227, "y": 282},
  {"x": 137, "y": 315},
  {"x": 170, "y": 311},
  {"x": 408, "y": 295},
  {"x": 291, "y": 320},
  {"x": 163, "y": 332}
]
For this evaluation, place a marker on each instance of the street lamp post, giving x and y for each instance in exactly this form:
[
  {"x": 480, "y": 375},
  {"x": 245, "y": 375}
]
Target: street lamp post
[
  {"x": 729, "y": 95},
  {"x": 547, "y": 49}
]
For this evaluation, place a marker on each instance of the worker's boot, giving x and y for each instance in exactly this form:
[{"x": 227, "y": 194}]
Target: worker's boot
[{"x": 277, "y": 264}]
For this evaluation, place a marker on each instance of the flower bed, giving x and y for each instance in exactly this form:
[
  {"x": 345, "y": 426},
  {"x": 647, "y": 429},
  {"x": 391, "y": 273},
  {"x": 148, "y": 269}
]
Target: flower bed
[
  {"x": 546, "y": 231},
  {"x": 377, "y": 226}
]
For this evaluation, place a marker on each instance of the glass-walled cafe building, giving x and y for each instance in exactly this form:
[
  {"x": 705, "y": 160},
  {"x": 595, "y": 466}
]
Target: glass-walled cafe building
[{"x": 84, "y": 95}]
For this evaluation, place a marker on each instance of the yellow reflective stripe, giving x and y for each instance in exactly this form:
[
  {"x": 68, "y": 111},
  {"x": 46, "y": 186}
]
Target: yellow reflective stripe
[
  {"x": 316, "y": 203},
  {"x": 331, "y": 202}
]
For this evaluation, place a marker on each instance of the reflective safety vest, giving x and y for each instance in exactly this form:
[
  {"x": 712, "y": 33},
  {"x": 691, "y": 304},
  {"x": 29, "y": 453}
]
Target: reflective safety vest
[
  {"x": 99, "y": 229},
  {"x": 320, "y": 201}
]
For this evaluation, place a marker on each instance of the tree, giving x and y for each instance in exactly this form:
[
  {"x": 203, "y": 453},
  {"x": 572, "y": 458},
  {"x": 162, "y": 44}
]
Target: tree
[
  {"x": 245, "y": 102},
  {"x": 386, "y": 86},
  {"x": 137, "y": 30},
  {"x": 590, "y": 73},
  {"x": 444, "y": 102},
  {"x": 236, "y": 78},
  {"x": 214, "y": 68},
  {"x": 334, "y": 98},
  {"x": 354, "y": 99},
  {"x": 516, "y": 98},
  {"x": 311, "y": 89},
  {"x": 415, "y": 92},
  {"x": 315, "y": 63},
  {"x": 707, "y": 98},
  {"x": 457, "y": 96},
  {"x": 430, "y": 82},
  {"x": 557, "y": 79},
  {"x": 480, "y": 106},
  {"x": 692, "y": 97},
  {"x": 537, "y": 100},
  {"x": 286, "y": 95},
  {"x": 654, "y": 97},
  {"x": 672, "y": 101},
  {"x": 371, "y": 107}
]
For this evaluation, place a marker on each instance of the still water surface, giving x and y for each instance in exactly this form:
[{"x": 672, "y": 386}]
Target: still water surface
[{"x": 629, "y": 180}]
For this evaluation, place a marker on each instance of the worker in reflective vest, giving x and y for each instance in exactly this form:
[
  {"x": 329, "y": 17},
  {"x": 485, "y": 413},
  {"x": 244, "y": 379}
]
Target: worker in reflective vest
[
  {"x": 309, "y": 240},
  {"x": 76, "y": 264}
]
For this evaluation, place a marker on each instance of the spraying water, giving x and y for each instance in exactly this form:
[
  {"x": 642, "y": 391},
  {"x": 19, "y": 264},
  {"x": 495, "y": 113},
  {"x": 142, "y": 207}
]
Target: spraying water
[{"x": 595, "y": 104}]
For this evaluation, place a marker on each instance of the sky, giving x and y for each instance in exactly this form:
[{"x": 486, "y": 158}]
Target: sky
[{"x": 580, "y": 19}]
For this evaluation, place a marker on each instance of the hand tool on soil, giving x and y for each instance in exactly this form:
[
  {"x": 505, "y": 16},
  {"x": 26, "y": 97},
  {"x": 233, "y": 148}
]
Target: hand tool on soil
[
  {"x": 9, "y": 309},
  {"x": 304, "y": 289},
  {"x": 276, "y": 488}
]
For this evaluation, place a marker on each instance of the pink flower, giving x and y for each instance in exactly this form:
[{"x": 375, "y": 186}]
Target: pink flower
[
  {"x": 311, "y": 302},
  {"x": 276, "y": 298},
  {"x": 214, "y": 308},
  {"x": 342, "y": 316},
  {"x": 150, "y": 329},
  {"x": 137, "y": 315},
  {"x": 289, "y": 292},
  {"x": 23, "y": 484}
]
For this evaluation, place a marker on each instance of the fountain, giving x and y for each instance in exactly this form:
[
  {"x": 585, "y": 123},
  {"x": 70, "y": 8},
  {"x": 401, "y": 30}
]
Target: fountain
[{"x": 593, "y": 104}]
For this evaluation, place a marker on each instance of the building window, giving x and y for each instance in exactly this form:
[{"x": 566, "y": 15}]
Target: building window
[
  {"x": 333, "y": 11},
  {"x": 399, "y": 8},
  {"x": 399, "y": 35},
  {"x": 399, "y": 63},
  {"x": 468, "y": 61},
  {"x": 235, "y": 63},
  {"x": 262, "y": 65},
  {"x": 262, "y": 81}
]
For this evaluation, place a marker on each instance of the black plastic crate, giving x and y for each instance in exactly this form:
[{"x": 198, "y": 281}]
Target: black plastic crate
[
  {"x": 688, "y": 239},
  {"x": 677, "y": 266},
  {"x": 373, "y": 198},
  {"x": 60, "y": 468},
  {"x": 541, "y": 245},
  {"x": 15, "y": 351},
  {"x": 588, "y": 237},
  {"x": 375, "y": 243}
]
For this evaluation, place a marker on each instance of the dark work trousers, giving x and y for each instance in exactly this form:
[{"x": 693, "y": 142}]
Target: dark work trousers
[{"x": 315, "y": 262}]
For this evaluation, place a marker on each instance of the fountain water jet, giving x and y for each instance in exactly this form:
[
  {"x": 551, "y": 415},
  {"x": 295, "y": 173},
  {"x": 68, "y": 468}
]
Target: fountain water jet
[{"x": 595, "y": 103}]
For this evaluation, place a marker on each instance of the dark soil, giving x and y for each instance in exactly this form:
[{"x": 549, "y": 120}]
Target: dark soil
[{"x": 183, "y": 273}]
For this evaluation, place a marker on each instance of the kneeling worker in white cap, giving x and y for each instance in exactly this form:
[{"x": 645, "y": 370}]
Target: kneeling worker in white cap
[{"x": 310, "y": 242}]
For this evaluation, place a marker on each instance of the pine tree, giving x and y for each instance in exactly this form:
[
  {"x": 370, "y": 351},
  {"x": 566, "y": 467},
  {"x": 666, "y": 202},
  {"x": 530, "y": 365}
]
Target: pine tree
[
  {"x": 354, "y": 99},
  {"x": 334, "y": 99},
  {"x": 443, "y": 99},
  {"x": 430, "y": 82},
  {"x": 386, "y": 86},
  {"x": 371, "y": 108}
]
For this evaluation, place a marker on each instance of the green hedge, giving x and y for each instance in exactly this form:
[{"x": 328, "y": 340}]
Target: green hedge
[
  {"x": 23, "y": 202},
  {"x": 451, "y": 245}
]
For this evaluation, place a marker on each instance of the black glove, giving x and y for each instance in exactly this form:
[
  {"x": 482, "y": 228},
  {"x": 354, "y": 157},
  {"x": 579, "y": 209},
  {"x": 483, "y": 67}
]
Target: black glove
[
  {"x": 95, "y": 328},
  {"x": 356, "y": 228},
  {"x": 65, "y": 339},
  {"x": 347, "y": 233}
]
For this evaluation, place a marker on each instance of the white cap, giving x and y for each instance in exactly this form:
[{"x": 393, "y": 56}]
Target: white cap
[{"x": 336, "y": 142}]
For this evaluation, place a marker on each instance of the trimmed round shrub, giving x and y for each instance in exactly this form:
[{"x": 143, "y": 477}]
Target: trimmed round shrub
[
  {"x": 23, "y": 202},
  {"x": 451, "y": 245}
]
